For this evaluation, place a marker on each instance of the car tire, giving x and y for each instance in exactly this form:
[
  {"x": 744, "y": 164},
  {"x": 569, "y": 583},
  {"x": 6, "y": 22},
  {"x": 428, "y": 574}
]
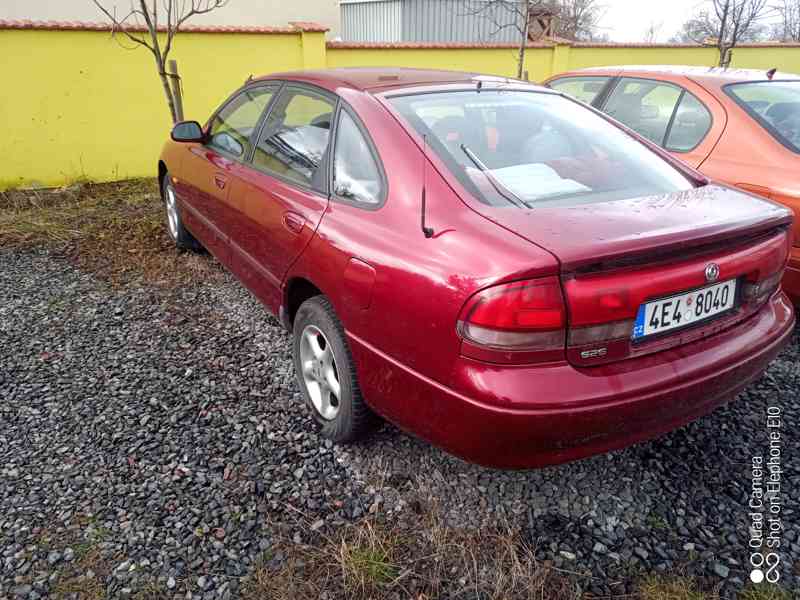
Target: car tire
[
  {"x": 177, "y": 231},
  {"x": 326, "y": 374}
]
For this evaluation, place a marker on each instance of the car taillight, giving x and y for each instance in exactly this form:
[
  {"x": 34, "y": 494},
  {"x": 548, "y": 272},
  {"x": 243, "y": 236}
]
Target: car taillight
[
  {"x": 758, "y": 292},
  {"x": 523, "y": 321}
]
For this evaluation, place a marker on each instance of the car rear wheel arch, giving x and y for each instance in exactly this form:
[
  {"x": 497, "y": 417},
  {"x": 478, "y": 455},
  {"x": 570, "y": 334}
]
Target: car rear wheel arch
[
  {"x": 162, "y": 171},
  {"x": 298, "y": 290}
]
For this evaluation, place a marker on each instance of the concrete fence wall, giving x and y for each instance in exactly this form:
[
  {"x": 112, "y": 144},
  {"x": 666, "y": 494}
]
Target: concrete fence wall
[{"x": 78, "y": 104}]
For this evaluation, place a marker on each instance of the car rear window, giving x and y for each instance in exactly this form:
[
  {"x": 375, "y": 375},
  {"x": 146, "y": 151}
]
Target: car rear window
[
  {"x": 511, "y": 147},
  {"x": 775, "y": 105}
]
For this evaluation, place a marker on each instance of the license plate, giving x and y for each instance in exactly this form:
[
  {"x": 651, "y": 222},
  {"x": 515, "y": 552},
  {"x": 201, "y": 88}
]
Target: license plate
[{"x": 682, "y": 310}]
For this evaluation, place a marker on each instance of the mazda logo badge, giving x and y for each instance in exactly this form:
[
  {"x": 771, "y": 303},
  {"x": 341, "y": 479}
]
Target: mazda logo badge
[{"x": 712, "y": 272}]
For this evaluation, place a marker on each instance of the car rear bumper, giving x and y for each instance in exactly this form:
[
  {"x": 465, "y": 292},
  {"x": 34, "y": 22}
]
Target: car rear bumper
[
  {"x": 791, "y": 279},
  {"x": 532, "y": 416}
]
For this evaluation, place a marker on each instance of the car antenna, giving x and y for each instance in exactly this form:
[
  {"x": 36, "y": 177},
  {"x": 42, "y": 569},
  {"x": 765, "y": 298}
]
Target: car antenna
[
  {"x": 428, "y": 231},
  {"x": 479, "y": 86},
  {"x": 249, "y": 79},
  {"x": 771, "y": 73}
]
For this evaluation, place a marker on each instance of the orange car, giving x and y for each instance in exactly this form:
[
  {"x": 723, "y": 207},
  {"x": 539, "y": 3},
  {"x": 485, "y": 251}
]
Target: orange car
[{"x": 738, "y": 126}]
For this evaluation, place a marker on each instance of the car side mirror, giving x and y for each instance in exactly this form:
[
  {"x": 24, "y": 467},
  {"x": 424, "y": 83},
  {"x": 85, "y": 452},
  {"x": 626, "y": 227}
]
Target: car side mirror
[{"x": 188, "y": 131}]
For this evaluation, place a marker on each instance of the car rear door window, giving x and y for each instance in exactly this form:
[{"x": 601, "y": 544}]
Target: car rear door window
[
  {"x": 644, "y": 105},
  {"x": 691, "y": 124},
  {"x": 585, "y": 89},
  {"x": 294, "y": 140},
  {"x": 357, "y": 176},
  {"x": 232, "y": 127}
]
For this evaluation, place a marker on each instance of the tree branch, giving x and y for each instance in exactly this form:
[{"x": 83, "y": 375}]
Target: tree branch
[{"x": 119, "y": 25}]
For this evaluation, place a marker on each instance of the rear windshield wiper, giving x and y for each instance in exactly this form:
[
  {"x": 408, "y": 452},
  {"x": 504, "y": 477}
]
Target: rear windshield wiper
[{"x": 501, "y": 189}]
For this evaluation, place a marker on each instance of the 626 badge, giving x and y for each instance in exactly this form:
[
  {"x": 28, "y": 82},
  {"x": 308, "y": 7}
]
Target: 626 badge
[{"x": 681, "y": 310}]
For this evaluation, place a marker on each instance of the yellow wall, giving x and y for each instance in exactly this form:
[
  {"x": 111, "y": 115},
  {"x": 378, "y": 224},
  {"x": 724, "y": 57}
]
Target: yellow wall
[
  {"x": 760, "y": 57},
  {"x": 77, "y": 105},
  {"x": 786, "y": 59},
  {"x": 81, "y": 105},
  {"x": 581, "y": 58},
  {"x": 494, "y": 61}
]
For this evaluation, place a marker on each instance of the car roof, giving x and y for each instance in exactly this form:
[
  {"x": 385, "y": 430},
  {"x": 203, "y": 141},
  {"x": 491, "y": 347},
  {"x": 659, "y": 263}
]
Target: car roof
[
  {"x": 383, "y": 78},
  {"x": 711, "y": 75}
]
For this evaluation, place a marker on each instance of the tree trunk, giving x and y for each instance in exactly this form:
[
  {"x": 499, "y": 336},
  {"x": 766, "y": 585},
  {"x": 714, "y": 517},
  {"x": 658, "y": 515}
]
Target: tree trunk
[
  {"x": 162, "y": 73},
  {"x": 723, "y": 33},
  {"x": 524, "y": 42},
  {"x": 175, "y": 86}
]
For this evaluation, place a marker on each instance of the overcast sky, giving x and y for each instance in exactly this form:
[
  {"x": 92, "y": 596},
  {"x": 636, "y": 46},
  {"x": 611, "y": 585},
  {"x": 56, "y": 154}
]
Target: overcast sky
[{"x": 627, "y": 20}]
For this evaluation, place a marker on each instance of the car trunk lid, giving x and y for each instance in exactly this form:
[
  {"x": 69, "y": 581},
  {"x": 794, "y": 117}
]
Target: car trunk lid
[{"x": 616, "y": 257}]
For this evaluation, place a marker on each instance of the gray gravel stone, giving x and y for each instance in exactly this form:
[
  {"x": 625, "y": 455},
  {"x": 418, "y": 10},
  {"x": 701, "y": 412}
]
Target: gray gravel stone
[{"x": 721, "y": 570}]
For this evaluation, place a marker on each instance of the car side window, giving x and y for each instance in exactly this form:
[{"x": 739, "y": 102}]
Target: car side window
[
  {"x": 585, "y": 89},
  {"x": 356, "y": 175},
  {"x": 232, "y": 127},
  {"x": 295, "y": 136},
  {"x": 644, "y": 105},
  {"x": 691, "y": 124}
]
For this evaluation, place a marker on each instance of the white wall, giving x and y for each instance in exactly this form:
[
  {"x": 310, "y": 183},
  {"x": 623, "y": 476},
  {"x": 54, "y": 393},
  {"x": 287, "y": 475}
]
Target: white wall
[{"x": 236, "y": 12}]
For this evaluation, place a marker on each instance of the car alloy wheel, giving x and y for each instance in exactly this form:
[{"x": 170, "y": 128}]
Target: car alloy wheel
[
  {"x": 319, "y": 372},
  {"x": 172, "y": 211},
  {"x": 326, "y": 375},
  {"x": 179, "y": 234}
]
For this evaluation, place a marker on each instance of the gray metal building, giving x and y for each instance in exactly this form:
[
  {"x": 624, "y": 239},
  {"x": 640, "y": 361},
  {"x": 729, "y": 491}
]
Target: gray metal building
[{"x": 467, "y": 21}]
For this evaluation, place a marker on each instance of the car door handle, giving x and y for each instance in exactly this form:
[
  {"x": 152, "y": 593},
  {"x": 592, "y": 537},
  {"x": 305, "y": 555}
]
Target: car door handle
[
  {"x": 293, "y": 222},
  {"x": 221, "y": 181}
]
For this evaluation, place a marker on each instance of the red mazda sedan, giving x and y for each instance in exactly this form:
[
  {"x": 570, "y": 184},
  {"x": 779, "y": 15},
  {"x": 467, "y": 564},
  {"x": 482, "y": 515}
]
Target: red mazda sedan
[{"x": 486, "y": 263}]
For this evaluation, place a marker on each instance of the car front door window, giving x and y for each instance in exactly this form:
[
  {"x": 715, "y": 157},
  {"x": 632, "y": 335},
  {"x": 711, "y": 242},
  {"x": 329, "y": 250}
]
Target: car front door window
[
  {"x": 294, "y": 139},
  {"x": 232, "y": 127}
]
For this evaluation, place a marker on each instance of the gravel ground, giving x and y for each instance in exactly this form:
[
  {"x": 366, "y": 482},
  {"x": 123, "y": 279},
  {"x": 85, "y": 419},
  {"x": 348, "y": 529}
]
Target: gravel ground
[{"x": 160, "y": 433}]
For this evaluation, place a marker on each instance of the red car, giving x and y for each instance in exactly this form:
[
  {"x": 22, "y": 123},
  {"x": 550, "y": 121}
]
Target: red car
[
  {"x": 738, "y": 126},
  {"x": 485, "y": 263}
]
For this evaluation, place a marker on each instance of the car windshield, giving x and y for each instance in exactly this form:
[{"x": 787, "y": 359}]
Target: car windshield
[
  {"x": 775, "y": 105},
  {"x": 511, "y": 147}
]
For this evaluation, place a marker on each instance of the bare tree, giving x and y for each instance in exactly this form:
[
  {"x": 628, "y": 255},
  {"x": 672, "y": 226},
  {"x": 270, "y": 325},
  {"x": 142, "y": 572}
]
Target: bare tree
[
  {"x": 142, "y": 25},
  {"x": 653, "y": 31},
  {"x": 578, "y": 19},
  {"x": 503, "y": 15},
  {"x": 570, "y": 19},
  {"x": 724, "y": 24},
  {"x": 788, "y": 27}
]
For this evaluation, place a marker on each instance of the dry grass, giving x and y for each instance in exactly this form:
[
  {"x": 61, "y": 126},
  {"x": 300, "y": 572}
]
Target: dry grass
[
  {"x": 673, "y": 588},
  {"x": 764, "y": 591},
  {"x": 114, "y": 230},
  {"x": 85, "y": 578},
  {"x": 423, "y": 561},
  {"x": 85, "y": 575},
  {"x": 678, "y": 587}
]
